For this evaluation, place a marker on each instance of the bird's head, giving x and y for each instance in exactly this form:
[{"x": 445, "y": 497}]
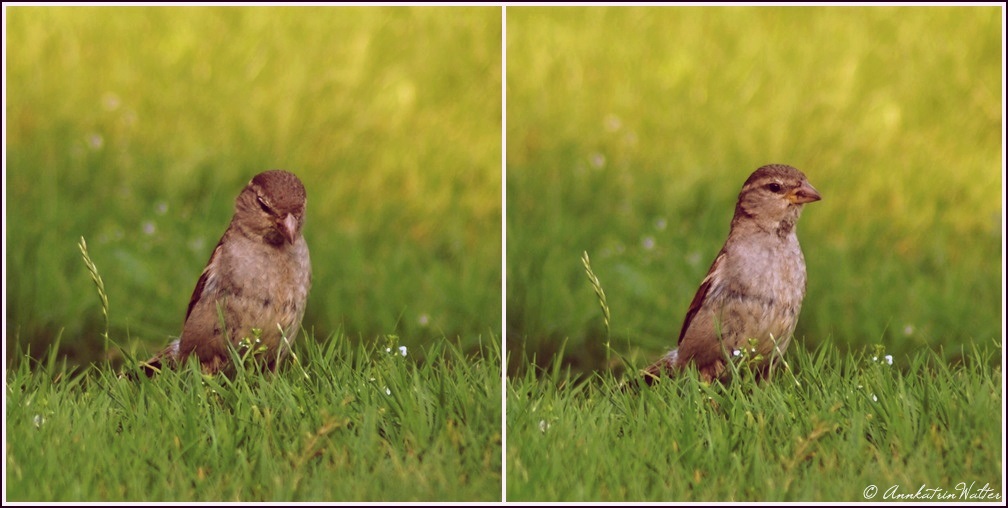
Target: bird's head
[
  {"x": 773, "y": 197},
  {"x": 272, "y": 206}
]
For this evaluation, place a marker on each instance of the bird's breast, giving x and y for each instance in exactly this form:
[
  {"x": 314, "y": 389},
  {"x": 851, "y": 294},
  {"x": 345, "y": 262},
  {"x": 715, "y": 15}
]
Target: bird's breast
[
  {"x": 759, "y": 293},
  {"x": 267, "y": 287}
]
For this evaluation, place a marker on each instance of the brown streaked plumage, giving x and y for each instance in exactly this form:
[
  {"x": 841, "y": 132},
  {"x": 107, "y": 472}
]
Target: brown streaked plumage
[
  {"x": 257, "y": 278},
  {"x": 755, "y": 287}
]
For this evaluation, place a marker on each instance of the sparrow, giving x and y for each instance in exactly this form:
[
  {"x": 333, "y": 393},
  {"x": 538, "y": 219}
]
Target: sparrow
[
  {"x": 753, "y": 292},
  {"x": 253, "y": 290}
]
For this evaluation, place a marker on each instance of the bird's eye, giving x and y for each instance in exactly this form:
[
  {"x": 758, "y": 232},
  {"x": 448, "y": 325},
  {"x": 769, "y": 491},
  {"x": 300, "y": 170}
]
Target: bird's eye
[
  {"x": 263, "y": 205},
  {"x": 774, "y": 187}
]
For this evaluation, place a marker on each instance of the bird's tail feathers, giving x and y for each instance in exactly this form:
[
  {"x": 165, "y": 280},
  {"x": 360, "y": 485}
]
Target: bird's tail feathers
[
  {"x": 167, "y": 357},
  {"x": 666, "y": 366}
]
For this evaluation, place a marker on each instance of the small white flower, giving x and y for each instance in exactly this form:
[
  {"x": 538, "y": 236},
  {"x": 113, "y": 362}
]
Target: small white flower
[
  {"x": 38, "y": 420},
  {"x": 110, "y": 101},
  {"x": 736, "y": 353},
  {"x": 402, "y": 351},
  {"x": 908, "y": 330},
  {"x": 95, "y": 141},
  {"x": 888, "y": 359},
  {"x": 388, "y": 350},
  {"x": 874, "y": 398},
  {"x": 129, "y": 117},
  {"x": 874, "y": 358},
  {"x": 648, "y": 242},
  {"x": 612, "y": 122},
  {"x": 543, "y": 425},
  {"x": 387, "y": 391},
  {"x": 693, "y": 258},
  {"x": 423, "y": 319}
]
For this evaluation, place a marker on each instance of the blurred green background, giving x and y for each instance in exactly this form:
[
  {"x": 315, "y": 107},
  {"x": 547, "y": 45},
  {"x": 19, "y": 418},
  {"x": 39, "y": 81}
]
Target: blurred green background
[
  {"x": 631, "y": 130},
  {"x": 137, "y": 127}
]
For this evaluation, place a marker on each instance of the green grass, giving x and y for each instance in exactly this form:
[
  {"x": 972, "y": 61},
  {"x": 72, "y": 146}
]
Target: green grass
[
  {"x": 840, "y": 423},
  {"x": 344, "y": 423},
  {"x": 631, "y": 135},
  {"x": 137, "y": 127}
]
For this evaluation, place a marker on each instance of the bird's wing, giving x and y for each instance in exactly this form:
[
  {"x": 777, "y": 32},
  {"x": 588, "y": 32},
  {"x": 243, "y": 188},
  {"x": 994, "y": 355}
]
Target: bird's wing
[
  {"x": 203, "y": 328},
  {"x": 701, "y": 295},
  {"x": 204, "y": 279}
]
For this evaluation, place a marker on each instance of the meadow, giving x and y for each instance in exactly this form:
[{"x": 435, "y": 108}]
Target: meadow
[
  {"x": 135, "y": 128},
  {"x": 837, "y": 427},
  {"x": 344, "y": 422},
  {"x": 629, "y": 134}
]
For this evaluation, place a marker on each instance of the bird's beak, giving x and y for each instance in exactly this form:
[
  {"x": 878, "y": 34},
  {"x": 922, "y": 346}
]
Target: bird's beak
[
  {"x": 289, "y": 228},
  {"x": 804, "y": 194}
]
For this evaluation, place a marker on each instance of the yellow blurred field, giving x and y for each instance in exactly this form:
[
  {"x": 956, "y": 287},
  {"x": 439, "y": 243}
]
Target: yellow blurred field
[
  {"x": 136, "y": 127},
  {"x": 631, "y": 130}
]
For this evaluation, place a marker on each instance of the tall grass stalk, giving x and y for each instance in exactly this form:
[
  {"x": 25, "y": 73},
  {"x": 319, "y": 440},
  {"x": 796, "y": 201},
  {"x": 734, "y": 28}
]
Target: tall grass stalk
[
  {"x": 597, "y": 286},
  {"x": 100, "y": 285}
]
